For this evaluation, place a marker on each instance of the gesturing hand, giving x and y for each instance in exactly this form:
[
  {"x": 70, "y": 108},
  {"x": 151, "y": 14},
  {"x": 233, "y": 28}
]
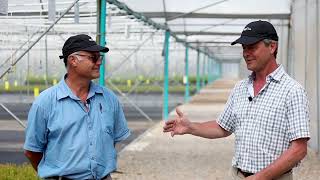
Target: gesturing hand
[{"x": 180, "y": 125}]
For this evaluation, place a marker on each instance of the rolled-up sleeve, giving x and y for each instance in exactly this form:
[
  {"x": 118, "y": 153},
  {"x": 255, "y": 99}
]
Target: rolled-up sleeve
[
  {"x": 36, "y": 131},
  {"x": 298, "y": 114},
  {"x": 121, "y": 129},
  {"x": 226, "y": 119}
]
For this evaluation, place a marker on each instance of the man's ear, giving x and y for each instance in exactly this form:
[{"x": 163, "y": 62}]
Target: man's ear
[
  {"x": 273, "y": 47},
  {"x": 72, "y": 61}
]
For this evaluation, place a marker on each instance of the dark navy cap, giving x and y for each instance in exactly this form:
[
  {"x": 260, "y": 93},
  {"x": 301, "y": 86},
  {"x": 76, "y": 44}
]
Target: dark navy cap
[
  {"x": 255, "y": 32},
  {"x": 81, "y": 42}
]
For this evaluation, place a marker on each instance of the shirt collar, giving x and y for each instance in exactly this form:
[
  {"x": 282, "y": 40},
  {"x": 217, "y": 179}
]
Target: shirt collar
[
  {"x": 94, "y": 88},
  {"x": 64, "y": 90},
  {"x": 275, "y": 75}
]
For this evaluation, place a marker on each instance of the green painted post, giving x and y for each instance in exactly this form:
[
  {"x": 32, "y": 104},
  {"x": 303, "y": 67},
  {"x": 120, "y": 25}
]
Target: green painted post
[
  {"x": 203, "y": 83},
  {"x": 215, "y": 71},
  {"x": 186, "y": 92},
  {"x": 208, "y": 69},
  {"x": 211, "y": 70},
  {"x": 165, "y": 111},
  {"x": 219, "y": 70},
  {"x": 103, "y": 14},
  {"x": 198, "y": 72}
]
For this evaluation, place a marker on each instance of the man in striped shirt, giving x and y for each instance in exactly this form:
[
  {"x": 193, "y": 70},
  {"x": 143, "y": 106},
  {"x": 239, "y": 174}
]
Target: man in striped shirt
[{"x": 268, "y": 113}]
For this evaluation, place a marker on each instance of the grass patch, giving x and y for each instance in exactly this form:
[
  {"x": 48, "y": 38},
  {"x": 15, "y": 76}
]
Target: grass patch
[{"x": 17, "y": 172}]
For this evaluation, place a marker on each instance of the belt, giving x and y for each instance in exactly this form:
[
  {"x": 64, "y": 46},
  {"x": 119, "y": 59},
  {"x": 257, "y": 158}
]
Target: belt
[
  {"x": 246, "y": 174},
  {"x": 64, "y": 178},
  {"x": 57, "y": 178}
]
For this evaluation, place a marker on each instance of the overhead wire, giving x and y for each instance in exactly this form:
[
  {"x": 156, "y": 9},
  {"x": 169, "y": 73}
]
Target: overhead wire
[
  {"x": 133, "y": 52},
  {"x": 207, "y": 6}
]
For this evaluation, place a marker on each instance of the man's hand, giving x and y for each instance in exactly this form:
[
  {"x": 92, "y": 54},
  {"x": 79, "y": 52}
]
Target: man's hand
[
  {"x": 34, "y": 158},
  {"x": 181, "y": 125},
  {"x": 178, "y": 126}
]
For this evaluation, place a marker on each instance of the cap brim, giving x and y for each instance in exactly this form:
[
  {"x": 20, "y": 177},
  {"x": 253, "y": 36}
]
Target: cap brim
[
  {"x": 246, "y": 40},
  {"x": 96, "y": 48}
]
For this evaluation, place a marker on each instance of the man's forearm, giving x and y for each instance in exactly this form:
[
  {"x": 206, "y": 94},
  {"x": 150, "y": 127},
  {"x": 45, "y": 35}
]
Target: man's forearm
[
  {"x": 288, "y": 159},
  {"x": 34, "y": 158},
  {"x": 210, "y": 129}
]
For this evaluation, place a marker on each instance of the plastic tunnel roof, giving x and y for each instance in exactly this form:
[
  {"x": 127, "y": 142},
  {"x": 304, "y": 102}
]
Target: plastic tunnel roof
[
  {"x": 211, "y": 24},
  {"x": 210, "y": 17}
]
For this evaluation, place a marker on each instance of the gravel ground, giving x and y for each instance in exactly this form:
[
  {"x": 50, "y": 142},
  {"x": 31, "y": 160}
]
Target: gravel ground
[{"x": 157, "y": 156}]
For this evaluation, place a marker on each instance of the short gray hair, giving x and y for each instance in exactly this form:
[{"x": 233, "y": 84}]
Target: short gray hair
[{"x": 267, "y": 42}]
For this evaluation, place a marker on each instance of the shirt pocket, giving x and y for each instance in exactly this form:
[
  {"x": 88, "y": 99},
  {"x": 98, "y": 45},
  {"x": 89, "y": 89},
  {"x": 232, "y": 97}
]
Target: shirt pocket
[
  {"x": 105, "y": 141},
  {"x": 107, "y": 122}
]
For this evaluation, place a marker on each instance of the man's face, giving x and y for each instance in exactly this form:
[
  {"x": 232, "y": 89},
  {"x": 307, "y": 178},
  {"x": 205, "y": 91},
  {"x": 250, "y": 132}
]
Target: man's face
[
  {"x": 88, "y": 64},
  {"x": 257, "y": 55}
]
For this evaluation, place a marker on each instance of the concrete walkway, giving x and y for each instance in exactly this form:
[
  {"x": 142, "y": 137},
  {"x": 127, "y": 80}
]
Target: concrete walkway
[{"x": 158, "y": 156}]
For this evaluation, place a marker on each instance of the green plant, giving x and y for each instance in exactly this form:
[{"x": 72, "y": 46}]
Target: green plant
[
  {"x": 22, "y": 89},
  {"x": 38, "y": 80},
  {"x": 17, "y": 172}
]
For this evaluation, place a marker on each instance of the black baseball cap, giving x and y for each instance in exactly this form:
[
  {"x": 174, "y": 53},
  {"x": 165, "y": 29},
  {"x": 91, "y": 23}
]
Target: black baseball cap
[
  {"x": 255, "y": 32},
  {"x": 81, "y": 42}
]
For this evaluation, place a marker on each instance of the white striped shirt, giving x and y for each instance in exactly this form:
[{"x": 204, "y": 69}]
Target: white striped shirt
[{"x": 265, "y": 126}]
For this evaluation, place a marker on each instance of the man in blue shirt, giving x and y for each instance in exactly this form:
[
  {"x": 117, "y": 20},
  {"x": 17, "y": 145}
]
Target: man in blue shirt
[{"x": 74, "y": 125}]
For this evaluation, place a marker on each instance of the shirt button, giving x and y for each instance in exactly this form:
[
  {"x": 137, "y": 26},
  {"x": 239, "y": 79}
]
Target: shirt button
[{"x": 90, "y": 143}]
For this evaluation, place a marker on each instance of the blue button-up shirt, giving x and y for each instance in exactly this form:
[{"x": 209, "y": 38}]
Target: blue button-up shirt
[{"x": 76, "y": 143}]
